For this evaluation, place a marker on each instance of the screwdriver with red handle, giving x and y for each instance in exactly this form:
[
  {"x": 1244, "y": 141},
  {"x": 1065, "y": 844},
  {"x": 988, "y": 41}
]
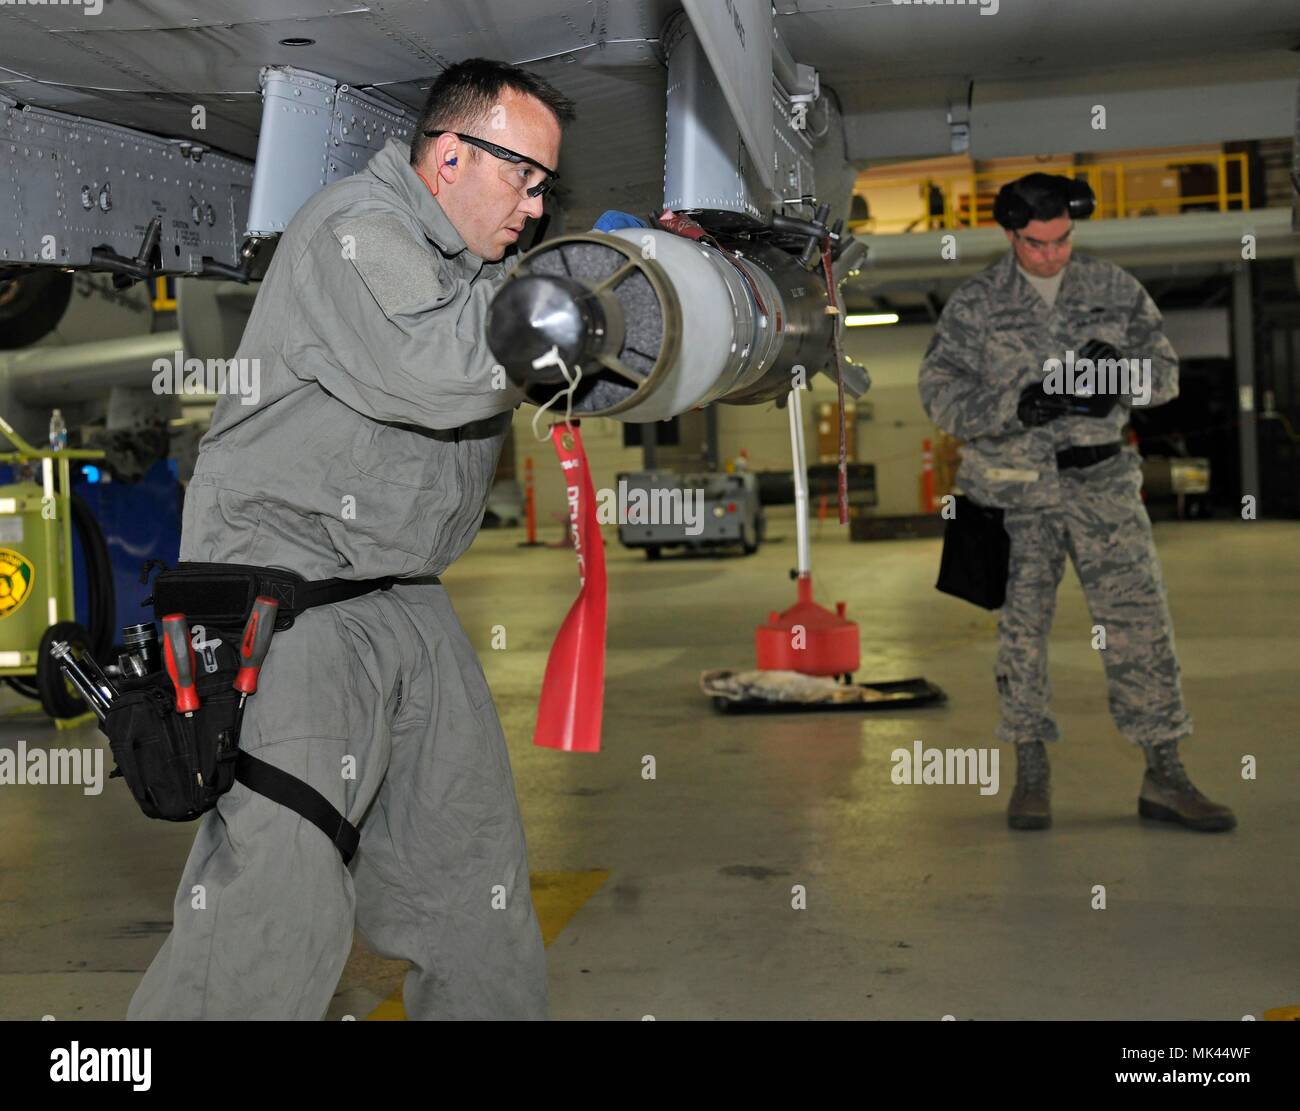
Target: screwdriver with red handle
[
  {"x": 178, "y": 656},
  {"x": 252, "y": 647}
]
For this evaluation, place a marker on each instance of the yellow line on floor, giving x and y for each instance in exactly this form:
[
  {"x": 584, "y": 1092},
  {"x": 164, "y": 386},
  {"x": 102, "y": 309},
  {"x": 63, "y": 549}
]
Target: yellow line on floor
[
  {"x": 37, "y": 716},
  {"x": 24, "y": 711},
  {"x": 557, "y": 897}
]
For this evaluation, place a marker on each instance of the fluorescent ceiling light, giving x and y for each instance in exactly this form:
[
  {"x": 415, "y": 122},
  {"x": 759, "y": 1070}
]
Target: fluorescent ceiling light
[{"x": 861, "y": 319}]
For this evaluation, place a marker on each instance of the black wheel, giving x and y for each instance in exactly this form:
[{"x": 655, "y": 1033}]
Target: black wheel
[
  {"x": 749, "y": 548},
  {"x": 652, "y": 551},
  {"x": 59, "y": 698},
  {"x": 31, "y": 306}
]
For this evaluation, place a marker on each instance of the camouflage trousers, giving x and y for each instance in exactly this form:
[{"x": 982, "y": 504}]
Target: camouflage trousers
[{"x": 1103, "y": 526}]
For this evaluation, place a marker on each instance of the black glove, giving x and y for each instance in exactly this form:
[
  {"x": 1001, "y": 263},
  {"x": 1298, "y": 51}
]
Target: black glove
[
  {"x": 1037, "y": 406},
  {"x": 1096, "y": 349},
  {"x": 1096, "y": 405}
]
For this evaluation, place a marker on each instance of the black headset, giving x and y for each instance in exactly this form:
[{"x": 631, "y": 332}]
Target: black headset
[{"x": 1013, "y": 212}]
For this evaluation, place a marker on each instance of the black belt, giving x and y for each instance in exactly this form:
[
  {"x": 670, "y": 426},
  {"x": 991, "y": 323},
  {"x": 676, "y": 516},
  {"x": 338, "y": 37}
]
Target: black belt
[
  {"x": 1086, "y": 456},
  {"x": 210, "y": 593}
]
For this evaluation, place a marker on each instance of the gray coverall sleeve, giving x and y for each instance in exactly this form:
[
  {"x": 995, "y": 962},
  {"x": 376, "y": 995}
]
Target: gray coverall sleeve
[
  {"x": 1146, "y": 339},
  {"x": 391, "y": 330},
  {"x": 956, "y": 396}
]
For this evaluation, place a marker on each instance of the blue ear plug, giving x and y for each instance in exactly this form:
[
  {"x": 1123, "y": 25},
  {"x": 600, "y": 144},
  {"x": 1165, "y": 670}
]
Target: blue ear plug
[{"x": 451, "y": 162}]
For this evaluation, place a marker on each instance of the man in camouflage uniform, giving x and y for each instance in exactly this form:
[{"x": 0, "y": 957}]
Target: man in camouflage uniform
[{"x": 1055, "y": 463}]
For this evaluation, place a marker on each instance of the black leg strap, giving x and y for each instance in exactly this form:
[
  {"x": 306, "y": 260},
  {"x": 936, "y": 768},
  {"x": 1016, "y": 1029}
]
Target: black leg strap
[{"x": 300, "y": 797}]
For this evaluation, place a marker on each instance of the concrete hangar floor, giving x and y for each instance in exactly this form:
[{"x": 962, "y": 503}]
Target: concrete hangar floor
[{"x": 673, "y": 897}]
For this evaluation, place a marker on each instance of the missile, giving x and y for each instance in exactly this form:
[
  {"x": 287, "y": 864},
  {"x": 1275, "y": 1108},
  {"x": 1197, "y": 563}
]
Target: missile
[{"x": 660, "y": 323}]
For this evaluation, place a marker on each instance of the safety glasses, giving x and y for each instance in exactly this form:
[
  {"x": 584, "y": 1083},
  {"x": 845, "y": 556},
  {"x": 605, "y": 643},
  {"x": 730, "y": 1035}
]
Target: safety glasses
[{"x": 519, "y": 172}]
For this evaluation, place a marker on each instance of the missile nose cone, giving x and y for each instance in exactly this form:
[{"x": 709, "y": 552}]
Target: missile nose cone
[{"x": 534, "y": 313}]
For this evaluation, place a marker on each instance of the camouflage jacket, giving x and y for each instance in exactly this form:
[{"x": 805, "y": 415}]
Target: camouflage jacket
[{"x": 995, "y": 336}]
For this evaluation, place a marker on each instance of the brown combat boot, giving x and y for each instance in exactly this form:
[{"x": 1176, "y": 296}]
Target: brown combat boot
[
  {"x": 1030, "y": 806},
  {"x": 1168, "y": 795}
]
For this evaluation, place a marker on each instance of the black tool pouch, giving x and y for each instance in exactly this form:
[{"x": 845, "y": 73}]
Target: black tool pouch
[
  {"x": 976, "y": 555},
  {"x": 176, "y": 766}
]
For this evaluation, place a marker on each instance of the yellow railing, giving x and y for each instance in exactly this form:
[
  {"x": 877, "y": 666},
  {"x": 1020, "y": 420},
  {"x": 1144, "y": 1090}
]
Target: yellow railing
[{"x": 967, "y": 197}]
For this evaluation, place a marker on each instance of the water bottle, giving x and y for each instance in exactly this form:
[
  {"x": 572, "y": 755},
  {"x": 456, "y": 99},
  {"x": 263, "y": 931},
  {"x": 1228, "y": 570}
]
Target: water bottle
[{"x": 58, "y": 431}]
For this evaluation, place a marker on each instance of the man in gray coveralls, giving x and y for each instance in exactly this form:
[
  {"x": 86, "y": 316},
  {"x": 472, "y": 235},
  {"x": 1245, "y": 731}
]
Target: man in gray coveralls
[
  {"x": 371, "y": 453},
  {"x": 1046, "y": 448}
]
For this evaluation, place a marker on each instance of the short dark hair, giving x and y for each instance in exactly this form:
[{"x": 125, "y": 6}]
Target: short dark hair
[
  {"x": 1044, "y": 194},
  {"x": 463, "y": 96}
]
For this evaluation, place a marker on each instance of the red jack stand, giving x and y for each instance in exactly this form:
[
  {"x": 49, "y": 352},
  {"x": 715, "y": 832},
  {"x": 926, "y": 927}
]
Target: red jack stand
[{"x": 807, "y": 638}]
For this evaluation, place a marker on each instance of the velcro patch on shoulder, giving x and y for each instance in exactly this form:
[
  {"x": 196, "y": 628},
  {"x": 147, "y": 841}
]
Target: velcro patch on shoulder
[{"x": 401, "y": 272}]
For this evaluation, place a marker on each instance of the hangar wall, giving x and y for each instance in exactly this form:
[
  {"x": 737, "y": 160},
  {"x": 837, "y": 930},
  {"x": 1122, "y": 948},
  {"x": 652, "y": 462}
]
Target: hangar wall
[{"x": 891, "y": 438}]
